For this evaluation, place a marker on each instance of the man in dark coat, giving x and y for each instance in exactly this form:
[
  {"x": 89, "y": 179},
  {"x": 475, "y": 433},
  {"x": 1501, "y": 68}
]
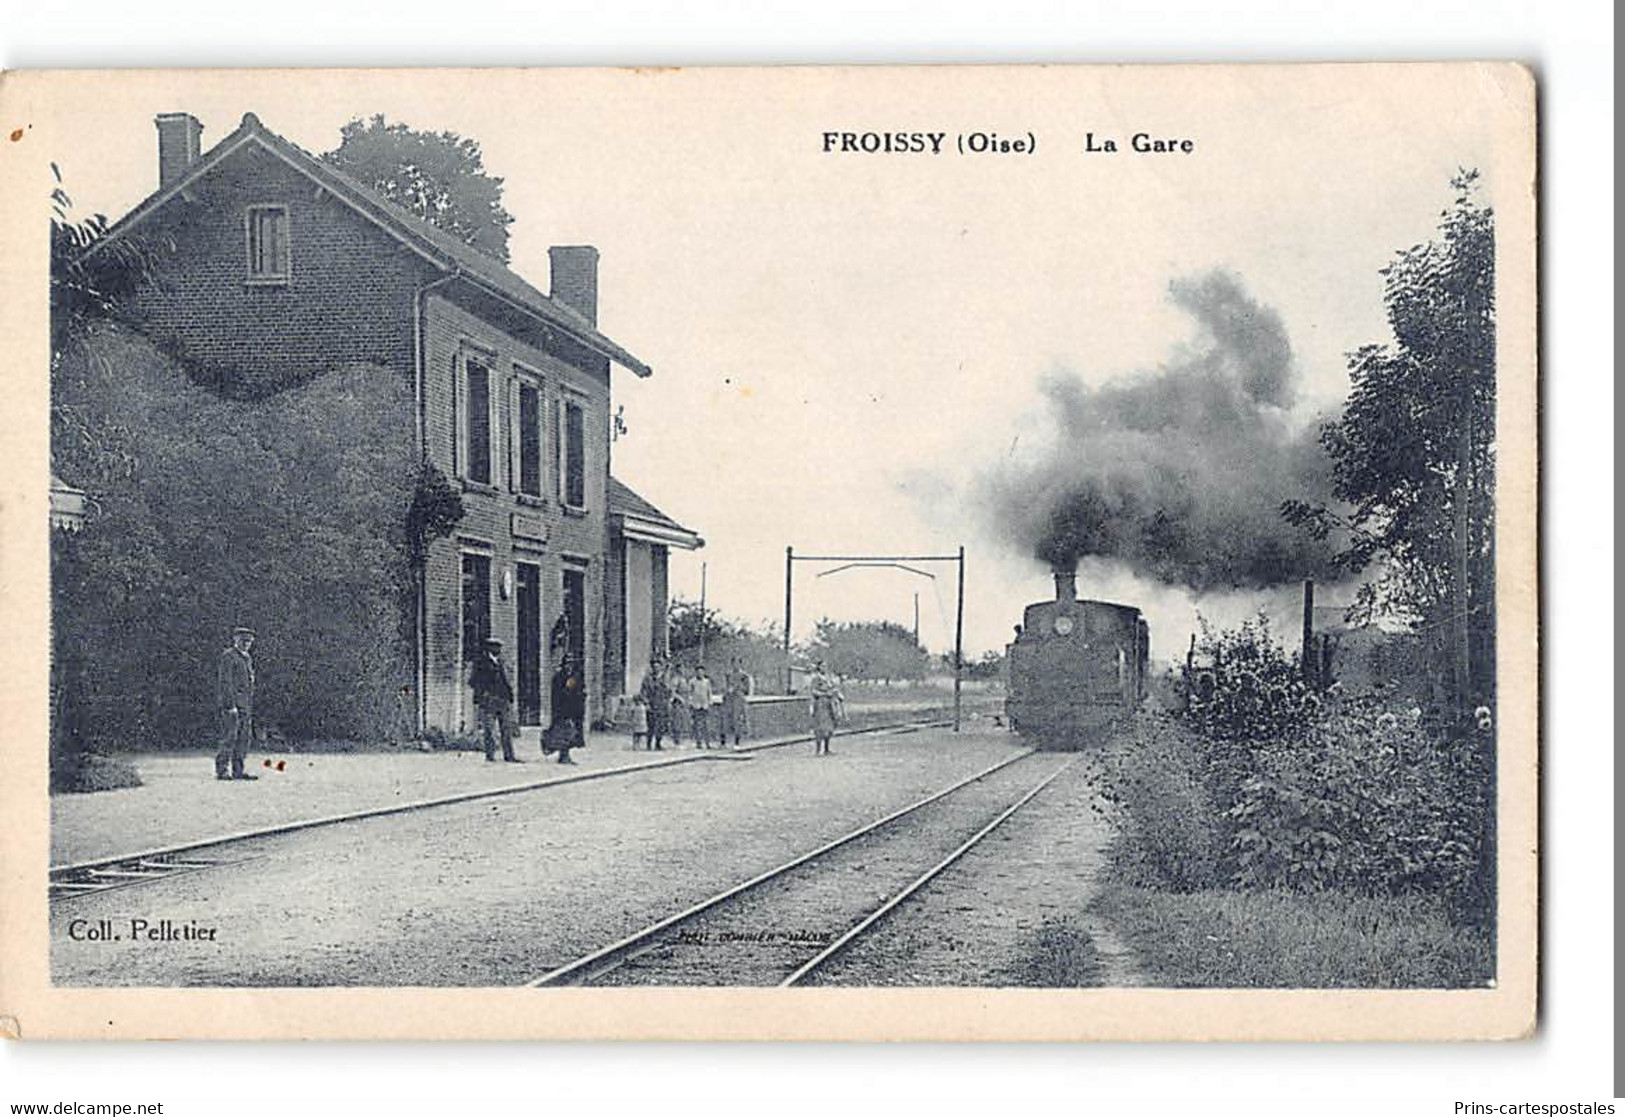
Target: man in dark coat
[
  {"x": 493, "y": 699},
  {"x": 657, "y": 699},
  {"x": 234, "y": 688}
]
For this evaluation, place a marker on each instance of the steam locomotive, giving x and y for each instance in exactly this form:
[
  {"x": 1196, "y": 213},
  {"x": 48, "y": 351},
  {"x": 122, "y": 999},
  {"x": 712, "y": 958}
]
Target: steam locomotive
[{"x": 1076, "y": 668}]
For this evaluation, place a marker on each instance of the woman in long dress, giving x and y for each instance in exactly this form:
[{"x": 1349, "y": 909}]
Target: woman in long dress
[
  {"x": 826, "y": 708},
  {"x": 569, "y": 708},
  {"x": 677, "y": 684},
  {"x": 736, "y": 689}
]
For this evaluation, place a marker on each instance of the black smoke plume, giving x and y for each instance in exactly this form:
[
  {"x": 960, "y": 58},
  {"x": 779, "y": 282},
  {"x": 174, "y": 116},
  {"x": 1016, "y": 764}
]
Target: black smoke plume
[{"x": 1178, "y": 472}]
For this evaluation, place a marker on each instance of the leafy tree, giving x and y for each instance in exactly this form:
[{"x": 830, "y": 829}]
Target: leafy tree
[
  {"x": 93, "y": 447},
  {"x": 989, "y": 666},
  {"x": 875, "y": 650},
  {"x": 688, "y": 626},
  {"x": 89, "y": 444},
  {"x": 1413, "y": 453},
  {"x": 759, "y": 648},
  {"x": 438, "y": 176}
]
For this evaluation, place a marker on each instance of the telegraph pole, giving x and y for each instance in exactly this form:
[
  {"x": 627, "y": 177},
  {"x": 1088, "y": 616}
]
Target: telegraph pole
[
  {"x": 959, "y": 637},
  {"x": 702, "y": 614},
  {"x": 789, "y": 576}
]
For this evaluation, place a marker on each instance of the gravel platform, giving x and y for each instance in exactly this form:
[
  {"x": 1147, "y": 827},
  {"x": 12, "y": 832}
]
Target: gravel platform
[{"x": 498, "y": 891}]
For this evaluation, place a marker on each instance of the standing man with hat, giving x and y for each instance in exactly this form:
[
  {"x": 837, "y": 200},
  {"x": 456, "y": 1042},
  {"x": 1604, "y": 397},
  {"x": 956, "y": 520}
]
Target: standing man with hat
[
  {"x": 234, "y": 687},
  {"x": 493, "y": 699}
]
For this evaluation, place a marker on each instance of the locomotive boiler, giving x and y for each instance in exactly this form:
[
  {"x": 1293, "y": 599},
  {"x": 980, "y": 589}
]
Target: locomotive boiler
[{"x": 1077, "y": 669}]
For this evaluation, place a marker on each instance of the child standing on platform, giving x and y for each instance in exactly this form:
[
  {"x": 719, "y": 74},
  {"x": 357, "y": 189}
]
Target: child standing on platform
[{"x": 640, "y": 720}]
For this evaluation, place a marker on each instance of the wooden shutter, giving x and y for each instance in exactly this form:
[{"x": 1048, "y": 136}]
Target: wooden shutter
[
  {"x": 513, "y": 434},
  {"x": 459, "y": 408},
  {"x": 558, "y": 451},
  {"x": 575, "y": 453}
]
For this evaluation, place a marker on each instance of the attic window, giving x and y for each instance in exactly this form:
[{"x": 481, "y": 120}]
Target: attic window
[{"x": 267, "y": 244}]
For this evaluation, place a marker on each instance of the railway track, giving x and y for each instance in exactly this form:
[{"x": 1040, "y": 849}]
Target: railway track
[
  {"x": 68, "y": 882},
  {"x": 784, "y": 925}
]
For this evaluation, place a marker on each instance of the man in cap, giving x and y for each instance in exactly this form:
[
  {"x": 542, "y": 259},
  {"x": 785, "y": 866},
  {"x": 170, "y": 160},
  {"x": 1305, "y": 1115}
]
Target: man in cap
[
  {"x": 493, "y": 699},
  {"x": 234, "y": 686}
]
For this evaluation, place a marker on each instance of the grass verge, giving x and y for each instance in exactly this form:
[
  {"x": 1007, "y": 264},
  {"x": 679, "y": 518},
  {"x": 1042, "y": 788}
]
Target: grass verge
[
  {"x": 1059, "y": 955},
  {"x": 1291, "y": 940}
]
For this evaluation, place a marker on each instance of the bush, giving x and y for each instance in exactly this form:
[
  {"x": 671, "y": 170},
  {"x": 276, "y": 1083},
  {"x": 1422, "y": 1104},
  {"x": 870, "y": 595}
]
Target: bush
[
  {"x": 287, "y": 513},
  {"x": 1171, "y": 834},
  {"x": 1263, "y": 784},
  {"x": 90, "y": 771},
  {"x": 438, "y": 739},
  {"x": 1370, "y": 802},
  {"x": 1253, "y": 693}
]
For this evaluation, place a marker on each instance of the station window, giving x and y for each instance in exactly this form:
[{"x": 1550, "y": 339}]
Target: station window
[
  {"x": 529, "y": 438},
  {"x": 268, "y": 256},
  {"x": 476, "y": 428},
  {"x": 573, "y": 455}
]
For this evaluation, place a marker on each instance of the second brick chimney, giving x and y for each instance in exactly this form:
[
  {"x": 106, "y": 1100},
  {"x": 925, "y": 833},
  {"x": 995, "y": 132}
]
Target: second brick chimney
[
  {"x": 179, "y": 136},
  {"x": 575, "y": 278}
]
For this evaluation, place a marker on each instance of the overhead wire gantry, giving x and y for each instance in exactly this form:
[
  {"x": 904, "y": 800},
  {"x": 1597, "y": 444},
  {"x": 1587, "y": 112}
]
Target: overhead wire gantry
[{"x": 899, "y": 562}]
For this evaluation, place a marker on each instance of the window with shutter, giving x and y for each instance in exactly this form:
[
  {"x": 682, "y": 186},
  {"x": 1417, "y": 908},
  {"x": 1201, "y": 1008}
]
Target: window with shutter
[
  {"x": 575, "y": 456},
  {"x": 268, "y": 250},
  {"x": 530, "y": 440},
  {"x": 477, "y": 416}
]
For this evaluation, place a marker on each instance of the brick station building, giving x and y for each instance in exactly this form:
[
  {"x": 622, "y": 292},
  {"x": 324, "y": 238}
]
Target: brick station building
[{"x": 281, "y": 264}]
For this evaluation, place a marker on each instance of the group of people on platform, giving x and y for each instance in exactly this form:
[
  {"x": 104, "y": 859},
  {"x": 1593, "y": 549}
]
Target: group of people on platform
[{"x": 674, "y": 701}]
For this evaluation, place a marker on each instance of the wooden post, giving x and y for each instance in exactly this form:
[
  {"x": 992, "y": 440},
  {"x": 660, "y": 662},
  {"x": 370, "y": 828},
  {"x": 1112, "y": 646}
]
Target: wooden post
[
  {"x": 702, "y": 614},
  {"x": 1307, "y": 662},
  {"x": 789, "y": 568},
  {"x": 959, "y": 637}
]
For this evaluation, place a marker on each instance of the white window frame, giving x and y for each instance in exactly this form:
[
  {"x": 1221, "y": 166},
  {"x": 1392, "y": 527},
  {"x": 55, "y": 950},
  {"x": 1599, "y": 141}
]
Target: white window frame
[
  {"x": 270, "y": 279},
  {"x": 470, "y": 354}
]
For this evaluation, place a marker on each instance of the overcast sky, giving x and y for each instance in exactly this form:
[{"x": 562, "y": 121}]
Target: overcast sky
[{"x": 843, "y": 343}]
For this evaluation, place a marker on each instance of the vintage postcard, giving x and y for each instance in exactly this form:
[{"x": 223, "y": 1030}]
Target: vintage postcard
[{"x": 914, "y": 553}]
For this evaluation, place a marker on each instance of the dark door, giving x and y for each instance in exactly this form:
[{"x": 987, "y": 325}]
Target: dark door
[
  {"x": 476, "y": 623},
  {"x": 529, "y": 606},
  {"x": 575, "y": 617}
]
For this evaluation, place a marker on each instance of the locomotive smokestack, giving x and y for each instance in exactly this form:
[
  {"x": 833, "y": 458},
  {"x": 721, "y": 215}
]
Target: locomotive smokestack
[{"x": 1066, "y": 584}]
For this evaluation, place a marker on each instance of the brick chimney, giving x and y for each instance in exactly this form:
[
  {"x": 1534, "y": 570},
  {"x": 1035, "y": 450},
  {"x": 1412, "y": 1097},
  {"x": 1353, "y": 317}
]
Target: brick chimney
[
  {"x": 178, "y": 147},
  {"x": 575, "y": 278}
]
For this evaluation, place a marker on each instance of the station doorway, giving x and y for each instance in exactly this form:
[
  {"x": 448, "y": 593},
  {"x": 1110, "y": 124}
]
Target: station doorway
[{"x": 528, "y": 665}]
